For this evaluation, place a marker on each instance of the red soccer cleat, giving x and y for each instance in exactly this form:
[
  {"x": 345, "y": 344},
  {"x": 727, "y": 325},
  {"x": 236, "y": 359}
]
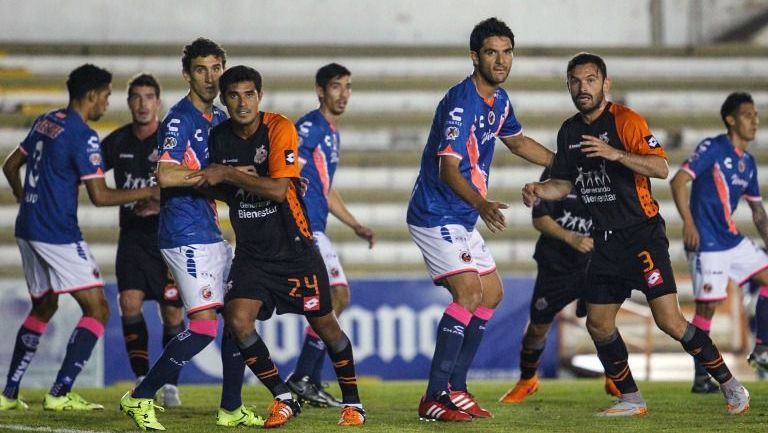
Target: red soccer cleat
[
  {"x": 466, "y": 403},
  {"x": 441, "y": 409}
]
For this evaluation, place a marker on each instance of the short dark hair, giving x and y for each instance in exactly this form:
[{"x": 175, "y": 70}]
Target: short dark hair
[
  {"x": 487, "y": 28},
  {"x": 328, "y": 72},
  {"x": 144, "y": 79},
  {"x": 238, "y": 74},
  {"x": 584, "y": 58},
  {"x": 732, "y": 103},
  {"x": 201, "y": 47},
  {"x": 85, "y": 78}
]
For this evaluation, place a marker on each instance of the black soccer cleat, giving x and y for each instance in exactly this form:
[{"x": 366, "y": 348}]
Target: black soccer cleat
[{"x": 307, "y": 392}]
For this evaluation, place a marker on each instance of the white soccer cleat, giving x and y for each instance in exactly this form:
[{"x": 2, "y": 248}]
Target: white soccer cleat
[
  {"x": 625, "y": 408},
  {"x": 168, "y": 396},
  {"x": 737, "y": 398}
]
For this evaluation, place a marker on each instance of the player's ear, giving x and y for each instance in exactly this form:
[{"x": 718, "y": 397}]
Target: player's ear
[
  {"x": 474, "y": 57},
  {"x": 320, "y": 92},
  {"x": 607, "y": 85}
]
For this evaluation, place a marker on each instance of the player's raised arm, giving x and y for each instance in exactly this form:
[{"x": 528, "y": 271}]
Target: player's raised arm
[
  {"x": 529, "y": 149},
  {"x": 12, "y": 170}
]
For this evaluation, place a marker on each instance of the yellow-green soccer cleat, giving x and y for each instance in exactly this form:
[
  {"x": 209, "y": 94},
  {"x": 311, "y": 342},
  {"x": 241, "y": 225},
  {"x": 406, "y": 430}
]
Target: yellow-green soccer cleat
[
  {"x": 12, "y": 404},
  {"x": 239, "y": 416},
  {"x": 141, "y": 411},
  {"x": 70, "y": 401}
]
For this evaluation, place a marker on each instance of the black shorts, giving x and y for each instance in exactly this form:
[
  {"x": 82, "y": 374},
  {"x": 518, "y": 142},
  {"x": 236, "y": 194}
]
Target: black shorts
[
  {"x": 299, "y": 285},
  {"x": 140, "y": 266},
  {"x": 554, "y": 290},
  {"x": 633, "y": 258}
]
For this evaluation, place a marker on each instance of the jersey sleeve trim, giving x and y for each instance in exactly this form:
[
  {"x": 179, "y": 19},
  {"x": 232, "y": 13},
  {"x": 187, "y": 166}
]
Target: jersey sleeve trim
[
  {"x": 448, "y": 151},
  {"x": 99, "y": 173},
  {"x": 688, "y": 170},
  {"x": 520, "y": 132},
  {"x": 21, "y": 148},
  {"x": 283, "y": 146},
  {"x": 166, "y": 157},
  {"x": 753, "y": 198},
  {"x": 634, "y": 133}
]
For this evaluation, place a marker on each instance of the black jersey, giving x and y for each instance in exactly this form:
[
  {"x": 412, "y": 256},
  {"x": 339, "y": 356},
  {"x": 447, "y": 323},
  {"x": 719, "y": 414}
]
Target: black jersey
[
  {"x": 134, "y": 162},
  {"x": 554, "y": 254},
  {"x": 265, "y": 229},
  {"x": 615, "y": 196}
]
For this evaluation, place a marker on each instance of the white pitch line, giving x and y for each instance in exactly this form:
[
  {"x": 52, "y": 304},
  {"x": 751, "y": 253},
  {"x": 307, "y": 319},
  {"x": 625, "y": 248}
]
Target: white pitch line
[{"x": 26, "y": 428}]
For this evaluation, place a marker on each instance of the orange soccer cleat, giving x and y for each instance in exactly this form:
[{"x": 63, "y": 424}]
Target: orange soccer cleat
[
  {"x": 352, "y": 416},
  {"x": 522, "y": 389},
  {"x": 281, "y": 411}
]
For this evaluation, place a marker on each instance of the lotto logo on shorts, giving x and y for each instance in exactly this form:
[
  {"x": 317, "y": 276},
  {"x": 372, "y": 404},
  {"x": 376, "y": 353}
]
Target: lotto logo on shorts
[
  {"x": 311, "y": 303},
  {"x": 653, "y": 278}
]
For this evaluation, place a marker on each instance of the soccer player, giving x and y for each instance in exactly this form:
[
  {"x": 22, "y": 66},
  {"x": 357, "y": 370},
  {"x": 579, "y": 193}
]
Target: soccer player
[
  {"x": 61, "y": 151},
  {"x": 276, "y": 265},
  {"x": 721, "y": 172},
  {"x": 562, "y": 252},
  {"x": 191, "y": 242},
  {"x": 607, "y": 152},
  {"x": 319, "y": 153},
  {"x": 449, "y": 195},
  {"x": 132, "y": 153}
]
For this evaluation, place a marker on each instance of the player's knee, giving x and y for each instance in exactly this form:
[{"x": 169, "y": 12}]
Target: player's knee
[
  {"x": 45, "y": 308},
  {"x": 673, "y": 326},
  {"x": 239, "y": 325},
  {"x": 172, "y": 316},
  {"x": 129, "y": 306},
  {"x": 327, "y": 328},
  {"x": 599, "y": 329},
  {"x": 339, "y": 298},
  {"x": 469, "y": 299}
]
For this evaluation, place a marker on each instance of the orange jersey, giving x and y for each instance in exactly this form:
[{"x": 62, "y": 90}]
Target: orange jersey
[
  {"x": 614, "y": 195},
  {"x": 264, "y": 228}
]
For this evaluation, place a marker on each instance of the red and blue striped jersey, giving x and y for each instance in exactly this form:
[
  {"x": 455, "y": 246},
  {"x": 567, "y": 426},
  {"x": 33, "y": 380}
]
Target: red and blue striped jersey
[
  {"x": 319, "y": 149},
  {"x": 722, "y": 174},
  {"x": 465, "y": 126},
  {"x": 61, "y": 152},
  {"x": 186, "y": 216}
]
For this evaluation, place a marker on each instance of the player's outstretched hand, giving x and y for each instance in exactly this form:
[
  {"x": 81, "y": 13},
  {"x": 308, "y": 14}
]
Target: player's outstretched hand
[
  {"x": 145, "y": 208},
  {"x": 365, "y": 233},
  {"x": 690, "y": 237},
  {"x": 582, "y": 244},
  {"x": 490, "y": 212},
  {"x": 529, "y": 194},
  {"x": 595, "y": 147}
]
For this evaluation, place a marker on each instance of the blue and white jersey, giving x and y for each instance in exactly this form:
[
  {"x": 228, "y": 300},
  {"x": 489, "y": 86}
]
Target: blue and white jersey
[
  {"x": 186, "y": 216},
  {"x": 61, "y": 152},
  {"x": 319, "y": 153},
  {"x": 465, "y": 126},
  {"x": 722, "y": 174}
]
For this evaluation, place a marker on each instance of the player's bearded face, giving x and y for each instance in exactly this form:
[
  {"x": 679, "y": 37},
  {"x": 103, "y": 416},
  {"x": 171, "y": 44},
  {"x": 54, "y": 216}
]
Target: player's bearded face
[
  {"x": 587, "y": 87},
  {"x": 494, "y": 60},
  {"x": 242, "y": 102},
  {"x": 144, "y": 104},
  {"x": 203, "y": 77},
  {"x": 335, "y": 96},
  {"x": 100, "y": 104}
]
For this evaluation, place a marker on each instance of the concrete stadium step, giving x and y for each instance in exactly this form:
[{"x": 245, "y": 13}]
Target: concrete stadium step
[
  {"x": 416, "y": 101},
  {"x": 55, "y": 82},
  {"x": 552, "y": 66}
]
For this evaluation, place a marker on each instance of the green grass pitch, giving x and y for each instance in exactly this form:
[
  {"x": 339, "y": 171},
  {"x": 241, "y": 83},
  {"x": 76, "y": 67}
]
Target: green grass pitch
[{"x": 559, "y": 406}]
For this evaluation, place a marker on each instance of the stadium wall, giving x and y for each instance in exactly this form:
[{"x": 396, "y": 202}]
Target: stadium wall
[
  {"x": 397, "y": 22},
  {"x": 391, "y": 323}
]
